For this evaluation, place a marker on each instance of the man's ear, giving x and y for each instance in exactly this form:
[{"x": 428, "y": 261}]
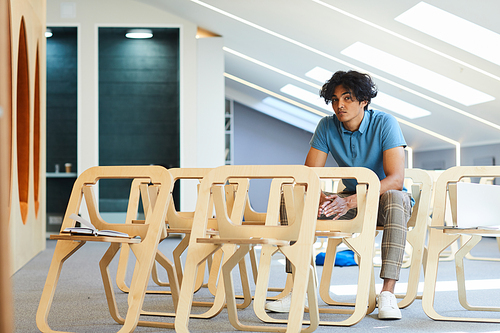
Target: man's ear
[{"x": 363, "y": 104}]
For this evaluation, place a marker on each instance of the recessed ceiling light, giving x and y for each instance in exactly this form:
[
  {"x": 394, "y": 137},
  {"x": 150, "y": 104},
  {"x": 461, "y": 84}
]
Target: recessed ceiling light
[
  {"x": 48, "y": 33},
  {"x": 416, "y": 74},
  {"x": 453, "y": 30},
  {"x": 139, "y": 33},
  {"x": 306, "y": 96}
]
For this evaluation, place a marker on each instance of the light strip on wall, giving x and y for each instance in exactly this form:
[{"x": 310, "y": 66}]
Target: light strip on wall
[
  {"x": 383, "y": 100},
  {"x": 345, "y": 63},
  {"x": 409, "y": 152},
  {"x": 416, "y": 75},
  {"x": 392, "y": 33},
  {"x": 453, "y": 30},
  {"x": 436, "y": 135},
  {"x": 271, "y": 93}
]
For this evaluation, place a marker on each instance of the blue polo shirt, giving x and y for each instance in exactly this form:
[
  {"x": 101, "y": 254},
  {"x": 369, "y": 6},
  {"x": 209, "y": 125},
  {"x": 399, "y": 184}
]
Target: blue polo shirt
[{"x": 378, "y": 132}]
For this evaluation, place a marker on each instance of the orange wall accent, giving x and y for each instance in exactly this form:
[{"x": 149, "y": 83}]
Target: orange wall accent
[
  {"x": 23, "y": 122},
  {"x": 36, "y": 134}
]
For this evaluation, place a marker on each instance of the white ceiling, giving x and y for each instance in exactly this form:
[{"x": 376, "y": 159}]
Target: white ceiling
[{"x": 297, "y": 35}]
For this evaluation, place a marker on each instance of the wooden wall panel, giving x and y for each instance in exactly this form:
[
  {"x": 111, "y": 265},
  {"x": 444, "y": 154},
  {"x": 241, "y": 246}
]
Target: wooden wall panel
[
  {"x": 6, "y": 313},
  {"x": 27, "y": 210}
]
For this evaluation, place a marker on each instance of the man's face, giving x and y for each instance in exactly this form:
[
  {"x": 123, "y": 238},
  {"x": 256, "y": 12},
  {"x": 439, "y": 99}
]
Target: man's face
[{"x": 347, "y": 108}]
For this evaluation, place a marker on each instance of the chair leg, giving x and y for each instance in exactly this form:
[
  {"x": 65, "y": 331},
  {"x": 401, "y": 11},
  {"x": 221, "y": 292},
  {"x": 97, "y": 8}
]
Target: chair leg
[
  {"x": 180, "y": 248},
  {"x": 122, "y": 268},
  {"x": 459, "y": 264},
  {"x": 63, "y": 250},
  {"x": 138, "y": 286},
  {"x": 303, "y": 282},
  {"x": 414, "y": 274},
  {"x": 227, "y": 267},
  {"x": 262, "y": 283},
  {"x": 106, "y": 280},
  {"x": 254, "y": 263},
  {"x": 438, "y": 242},
  {"x": 197, "y": 254},
  {"x": 326, "y": 276}
]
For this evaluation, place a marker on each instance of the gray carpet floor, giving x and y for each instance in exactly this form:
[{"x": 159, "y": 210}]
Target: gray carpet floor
[{"x": 80, "y": 304}]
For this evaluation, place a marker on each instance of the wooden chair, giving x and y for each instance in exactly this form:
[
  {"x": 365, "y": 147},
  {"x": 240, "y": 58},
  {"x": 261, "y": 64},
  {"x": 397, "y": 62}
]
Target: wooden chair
[
  {"x": 144, "y": 239},
  {"x": 358, "y": 234},
  {"x": 441, "y": 236},
  {"x": 233, "y": 231},
  {"x": 180, "y": 222},
  {"x": 421, "y": 189}
]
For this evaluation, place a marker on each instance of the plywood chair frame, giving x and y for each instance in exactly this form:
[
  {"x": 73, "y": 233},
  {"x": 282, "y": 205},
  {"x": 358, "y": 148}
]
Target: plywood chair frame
[
  {"x": 145, "y": 248},
  {"x": 132, "y": 209},
  {"x": 180, "y": 222},
  {"x": 441, "y": 237},
  {"x": 363, "y": 227},
  {"x": 232, "y": 231},
  {"x": 421, "y": 190}
]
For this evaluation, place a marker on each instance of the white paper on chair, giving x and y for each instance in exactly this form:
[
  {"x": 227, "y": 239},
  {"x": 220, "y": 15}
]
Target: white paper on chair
[{"x": 477, "y": 205}]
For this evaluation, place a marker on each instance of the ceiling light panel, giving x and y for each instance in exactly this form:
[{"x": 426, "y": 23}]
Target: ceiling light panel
[
  {"x": 416, "y": 74},
  {"x": 306, "y": 96},
  {"x": 398, "y": 106},
  {"x": 453, "y": 30}
]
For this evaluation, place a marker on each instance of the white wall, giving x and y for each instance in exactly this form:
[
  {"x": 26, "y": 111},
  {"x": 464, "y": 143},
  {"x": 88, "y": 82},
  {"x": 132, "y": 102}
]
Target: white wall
[{"x": 91, "y": 14}]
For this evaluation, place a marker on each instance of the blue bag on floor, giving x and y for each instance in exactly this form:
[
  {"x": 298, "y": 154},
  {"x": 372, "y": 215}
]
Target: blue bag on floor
[{"x": 343, "y": 258}]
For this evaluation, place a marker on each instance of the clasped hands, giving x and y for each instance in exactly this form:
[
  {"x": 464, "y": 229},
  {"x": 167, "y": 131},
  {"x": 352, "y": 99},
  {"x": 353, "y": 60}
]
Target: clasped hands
[{"x": 331, "y": 205}]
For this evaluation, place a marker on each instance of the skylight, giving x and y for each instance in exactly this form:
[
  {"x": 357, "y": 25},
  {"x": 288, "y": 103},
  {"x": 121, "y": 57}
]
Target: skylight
[
  {"x": 416, "y": 74},
  {"x": 382, "y": 100},
  {"x": 292, "y": 110},
  {"x": 399, "y": 106},
  {"x": 453, "y": 30},
  {"x": 306, "y": 96}
]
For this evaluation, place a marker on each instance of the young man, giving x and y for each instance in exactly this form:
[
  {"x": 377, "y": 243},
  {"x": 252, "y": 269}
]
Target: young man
[{"x": 359, "y": 137}]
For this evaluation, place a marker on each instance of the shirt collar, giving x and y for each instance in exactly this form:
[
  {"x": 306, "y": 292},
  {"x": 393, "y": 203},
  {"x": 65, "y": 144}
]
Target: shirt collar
[{"x": 362, "y": 127}]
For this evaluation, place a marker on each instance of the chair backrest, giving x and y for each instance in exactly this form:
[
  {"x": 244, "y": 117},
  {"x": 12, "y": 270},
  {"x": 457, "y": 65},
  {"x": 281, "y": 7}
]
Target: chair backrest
[
  {"x": 421, "y": 191},
  {"x": 446, "y": 185},
  {"x": 367, "y": 196},
  {"x": 297, "y": 176},
  {"x": 84, "y": 188},
  {"x": 177, "y": 219}
]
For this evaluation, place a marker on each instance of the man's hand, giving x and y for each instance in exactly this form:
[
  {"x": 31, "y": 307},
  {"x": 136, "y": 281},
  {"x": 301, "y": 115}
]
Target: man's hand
[{"x": 333, "y": 205}]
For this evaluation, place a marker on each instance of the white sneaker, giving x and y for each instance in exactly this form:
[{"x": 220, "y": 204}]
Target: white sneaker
[
  {"x": 388, "y": 306},
  {"x": 282, "y": 305}
]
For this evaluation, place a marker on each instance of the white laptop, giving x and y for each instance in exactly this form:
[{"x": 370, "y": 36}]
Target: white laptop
[{"x": 478, "y": 206}]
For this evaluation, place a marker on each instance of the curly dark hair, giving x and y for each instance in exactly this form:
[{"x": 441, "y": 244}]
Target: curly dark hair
[{"x": 360, "y": 85}]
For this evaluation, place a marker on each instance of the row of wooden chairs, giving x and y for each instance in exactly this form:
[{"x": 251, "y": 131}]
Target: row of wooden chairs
[{"x": 223, "y": 240}]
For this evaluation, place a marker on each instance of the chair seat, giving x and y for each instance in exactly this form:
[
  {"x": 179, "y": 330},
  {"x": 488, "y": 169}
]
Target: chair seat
[
  {"x": 84, "y": 238},
  {"x": 480, "y": 232},
  {"x": 333, "y": 234},
  {"x": 255, "y": 241}
]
